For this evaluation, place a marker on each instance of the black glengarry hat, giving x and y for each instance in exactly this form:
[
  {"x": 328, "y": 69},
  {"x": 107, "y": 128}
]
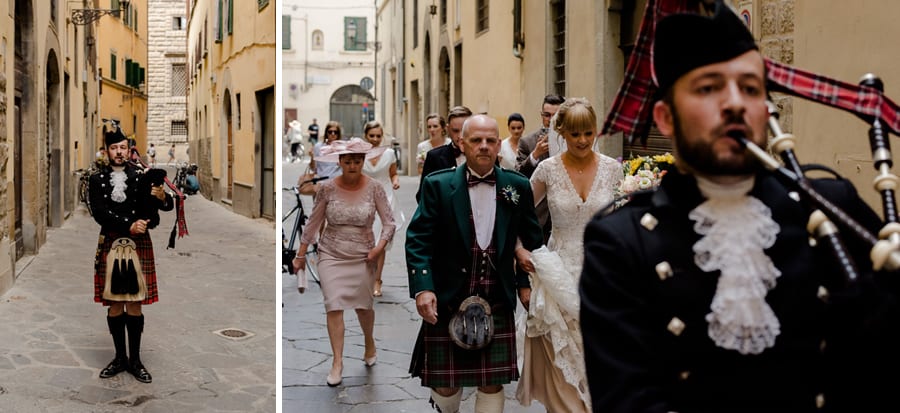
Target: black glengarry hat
[
  {"x": 113, "y": 137},
  {"x": 686, "y": 41}
]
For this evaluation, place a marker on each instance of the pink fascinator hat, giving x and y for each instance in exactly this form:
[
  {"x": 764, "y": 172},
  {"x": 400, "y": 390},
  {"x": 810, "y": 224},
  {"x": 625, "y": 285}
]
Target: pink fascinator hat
[{"x": 332, "y": 152}]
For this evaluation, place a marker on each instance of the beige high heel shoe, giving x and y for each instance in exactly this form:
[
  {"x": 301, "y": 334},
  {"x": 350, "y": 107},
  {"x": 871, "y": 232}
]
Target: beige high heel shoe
[
  {"x": 335, "y": 380},
  {"x": 377, "y": 292}
]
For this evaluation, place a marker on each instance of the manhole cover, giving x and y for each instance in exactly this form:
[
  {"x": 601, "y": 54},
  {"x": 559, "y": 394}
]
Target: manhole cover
[{"x": 233, "y": 333}]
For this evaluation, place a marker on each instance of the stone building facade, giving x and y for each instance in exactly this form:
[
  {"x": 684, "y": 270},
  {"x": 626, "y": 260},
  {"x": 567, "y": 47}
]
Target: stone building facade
[
  {"x": 122, "y": 46},
  {"x": 167, "y": 78},
  {"x": 48, "y": 106},
  {"x": 231, "y": 102}
]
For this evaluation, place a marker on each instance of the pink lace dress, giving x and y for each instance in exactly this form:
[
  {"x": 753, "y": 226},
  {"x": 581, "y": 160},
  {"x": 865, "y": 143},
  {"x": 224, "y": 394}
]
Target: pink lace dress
[{"x": 345, "y": 240}]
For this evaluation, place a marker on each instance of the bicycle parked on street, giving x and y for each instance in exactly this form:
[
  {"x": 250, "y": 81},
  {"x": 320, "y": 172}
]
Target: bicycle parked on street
[
  {"x": 84, "y": 182},
  {"x": 295, "y": 220}
]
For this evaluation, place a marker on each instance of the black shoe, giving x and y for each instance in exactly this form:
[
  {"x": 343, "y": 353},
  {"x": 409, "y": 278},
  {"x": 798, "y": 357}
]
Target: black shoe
[
  {"x": 140, "y": 373},
  {"x": 114, "y": 367}
]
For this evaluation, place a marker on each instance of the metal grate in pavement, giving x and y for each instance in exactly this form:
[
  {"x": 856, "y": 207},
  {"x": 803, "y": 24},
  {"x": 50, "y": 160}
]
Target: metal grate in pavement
[{"x": 235, "y": 334}]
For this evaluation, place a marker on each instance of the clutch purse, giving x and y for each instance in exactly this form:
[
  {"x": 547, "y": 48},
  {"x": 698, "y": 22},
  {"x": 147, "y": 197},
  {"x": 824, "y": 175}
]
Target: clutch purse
[{"x": 302, "y": 283}]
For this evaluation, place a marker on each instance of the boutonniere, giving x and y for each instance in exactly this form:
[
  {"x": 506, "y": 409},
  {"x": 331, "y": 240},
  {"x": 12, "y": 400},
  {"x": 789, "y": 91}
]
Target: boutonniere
[{"x": 510, "y": 194}]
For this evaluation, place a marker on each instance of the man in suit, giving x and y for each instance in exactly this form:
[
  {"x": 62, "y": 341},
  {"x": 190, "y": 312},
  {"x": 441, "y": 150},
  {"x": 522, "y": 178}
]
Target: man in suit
[
  {"x": 534, "y": 148},
  {"x": 461, "y": 242},
  {"x": 707, "y": 295},
  {"x": 449, "y": 155}
]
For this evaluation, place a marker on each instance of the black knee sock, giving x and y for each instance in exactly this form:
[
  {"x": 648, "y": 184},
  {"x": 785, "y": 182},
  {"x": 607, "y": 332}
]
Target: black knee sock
[
  {"x": 135, "y": 328},
  {"x": 117, "y": 329}
]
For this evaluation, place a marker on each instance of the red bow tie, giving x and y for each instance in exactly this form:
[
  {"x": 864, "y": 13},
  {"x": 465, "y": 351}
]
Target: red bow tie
[{"x": 473, "y": 180}]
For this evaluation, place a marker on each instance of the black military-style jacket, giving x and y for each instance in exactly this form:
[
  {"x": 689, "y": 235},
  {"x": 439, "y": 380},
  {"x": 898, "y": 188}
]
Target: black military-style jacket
[
  {"x": 117, "y": 217},
  {"x": 645, "y": 301}
]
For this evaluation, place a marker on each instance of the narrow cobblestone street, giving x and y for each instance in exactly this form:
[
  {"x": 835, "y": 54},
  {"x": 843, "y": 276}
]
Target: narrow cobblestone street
[{"x": 55, "y": 338}]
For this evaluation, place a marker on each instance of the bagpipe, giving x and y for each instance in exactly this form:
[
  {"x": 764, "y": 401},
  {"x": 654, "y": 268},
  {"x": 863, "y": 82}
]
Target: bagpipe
[
  {"x": 158, "y": 177},
  {"x": 827, "y": 220}
]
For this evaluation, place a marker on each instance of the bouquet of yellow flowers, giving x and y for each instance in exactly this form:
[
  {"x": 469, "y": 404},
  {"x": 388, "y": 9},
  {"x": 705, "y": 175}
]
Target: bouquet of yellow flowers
[{"x": 644, "y": 172}]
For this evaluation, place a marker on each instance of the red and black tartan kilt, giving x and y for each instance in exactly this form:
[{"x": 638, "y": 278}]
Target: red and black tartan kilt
[
  {"x": 148, "y": 266},
  {"x": 441, "y": 363}
]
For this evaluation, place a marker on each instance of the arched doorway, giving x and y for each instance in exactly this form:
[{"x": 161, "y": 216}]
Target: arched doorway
[
  {"x": 51, "y": 143},
  {"x": 229, "y": 145},
  {"x": 426, "y": 75},
  {"x": 352, "y": 106},
  {"x": 444, "y": 85},
  {"x": 25, "y": 117}
]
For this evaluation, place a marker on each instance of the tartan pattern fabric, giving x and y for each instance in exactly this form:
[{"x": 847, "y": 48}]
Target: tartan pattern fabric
[
  {"x": 863, "y": 101},
  {"x": 448, "y": 365},
  {"x": 632, "y": 108},
  {"x": 148, "y": 266}
]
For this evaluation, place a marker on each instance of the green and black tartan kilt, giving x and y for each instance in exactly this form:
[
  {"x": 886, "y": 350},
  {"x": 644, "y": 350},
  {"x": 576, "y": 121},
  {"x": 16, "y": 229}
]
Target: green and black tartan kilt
[
  {"x": 441, "y": 363},
  {"x": 148, "y": 266}
]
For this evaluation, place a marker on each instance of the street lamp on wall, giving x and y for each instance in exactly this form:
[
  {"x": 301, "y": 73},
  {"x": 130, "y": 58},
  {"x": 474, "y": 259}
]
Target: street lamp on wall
[{"x": 87, "y": 16}]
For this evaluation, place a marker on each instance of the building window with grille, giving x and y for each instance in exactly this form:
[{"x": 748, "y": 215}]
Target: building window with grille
[
  {"x": 481, "y": 16},
  {"x": 179, "y": 23},
  {"x": 443, "y": 12},
  {"x": 179, "y": 80},
  {"x": 178, "y": 128},
  {"x": 355, "y": 33},
  {"x": 558, "y": 42}
]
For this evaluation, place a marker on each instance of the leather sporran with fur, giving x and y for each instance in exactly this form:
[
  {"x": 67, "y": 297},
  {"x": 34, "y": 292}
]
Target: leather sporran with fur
[
  {"x": 472, "y": 327},
  {"x": 124, "y": 279}
]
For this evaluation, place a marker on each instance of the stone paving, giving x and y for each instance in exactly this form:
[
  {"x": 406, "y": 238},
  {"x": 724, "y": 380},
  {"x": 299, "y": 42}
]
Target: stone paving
[
  {"x": 385, "y": 387},
  {"x": 55, "y": 338}
]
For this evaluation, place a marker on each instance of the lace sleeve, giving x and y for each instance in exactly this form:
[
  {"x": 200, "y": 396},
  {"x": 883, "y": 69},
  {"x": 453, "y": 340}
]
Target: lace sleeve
[
  {"x": 539, "y": 182},
  {"x": 317, "y": 217},
  {"x": 383, "y": 207}
]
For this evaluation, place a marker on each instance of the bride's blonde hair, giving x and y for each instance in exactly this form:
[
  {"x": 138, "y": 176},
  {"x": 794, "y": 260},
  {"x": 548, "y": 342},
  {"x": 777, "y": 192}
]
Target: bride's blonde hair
[{"x": 575, "y": 115}]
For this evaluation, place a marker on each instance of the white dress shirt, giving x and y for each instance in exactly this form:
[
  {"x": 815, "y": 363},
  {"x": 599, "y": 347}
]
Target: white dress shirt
[{"x": 483, "y": 199}]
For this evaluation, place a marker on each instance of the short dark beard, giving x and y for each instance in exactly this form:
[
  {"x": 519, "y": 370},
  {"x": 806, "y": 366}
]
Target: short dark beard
[{"x": 701, "y": 159}]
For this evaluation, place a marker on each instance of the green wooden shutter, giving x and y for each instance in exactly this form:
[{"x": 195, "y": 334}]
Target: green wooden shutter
[
  {"x": 128, "y": 76},
  {"x": 286, "y": 31},
  {"x": 230, "y": 16},
  {"x": 112, "y": 66}
]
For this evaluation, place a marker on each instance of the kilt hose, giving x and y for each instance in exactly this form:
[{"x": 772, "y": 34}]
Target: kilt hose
[
  {"x": 148, "y": 266},
  {"x": 439, "y": 362}
]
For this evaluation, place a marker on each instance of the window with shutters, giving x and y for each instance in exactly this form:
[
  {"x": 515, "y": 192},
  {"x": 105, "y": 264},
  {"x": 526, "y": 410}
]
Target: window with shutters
[
  {"x": 355, "y": 33},
  {"x": 482, "y": 22},
  {"x": 286, "y": 32},
  {"x": 558, "y": 46},
  {"x": 112, "y": 66}
]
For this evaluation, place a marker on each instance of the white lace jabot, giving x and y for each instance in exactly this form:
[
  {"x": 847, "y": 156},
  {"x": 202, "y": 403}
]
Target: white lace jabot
[
  {"x": 118, "y": 179},
  {"x": 736, "y": 229}
]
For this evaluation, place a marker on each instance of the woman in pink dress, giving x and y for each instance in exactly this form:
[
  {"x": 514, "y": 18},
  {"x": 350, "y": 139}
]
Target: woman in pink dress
[{"x": 348, "y": 249}]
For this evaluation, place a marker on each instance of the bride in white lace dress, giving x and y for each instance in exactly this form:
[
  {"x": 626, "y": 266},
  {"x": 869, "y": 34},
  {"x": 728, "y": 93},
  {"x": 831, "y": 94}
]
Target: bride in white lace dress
[{"x": 578, "y": 182}]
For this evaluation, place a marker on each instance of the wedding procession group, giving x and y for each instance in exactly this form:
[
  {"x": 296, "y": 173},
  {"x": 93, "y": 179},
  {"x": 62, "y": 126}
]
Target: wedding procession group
[{"x": 700, "y": 292}]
